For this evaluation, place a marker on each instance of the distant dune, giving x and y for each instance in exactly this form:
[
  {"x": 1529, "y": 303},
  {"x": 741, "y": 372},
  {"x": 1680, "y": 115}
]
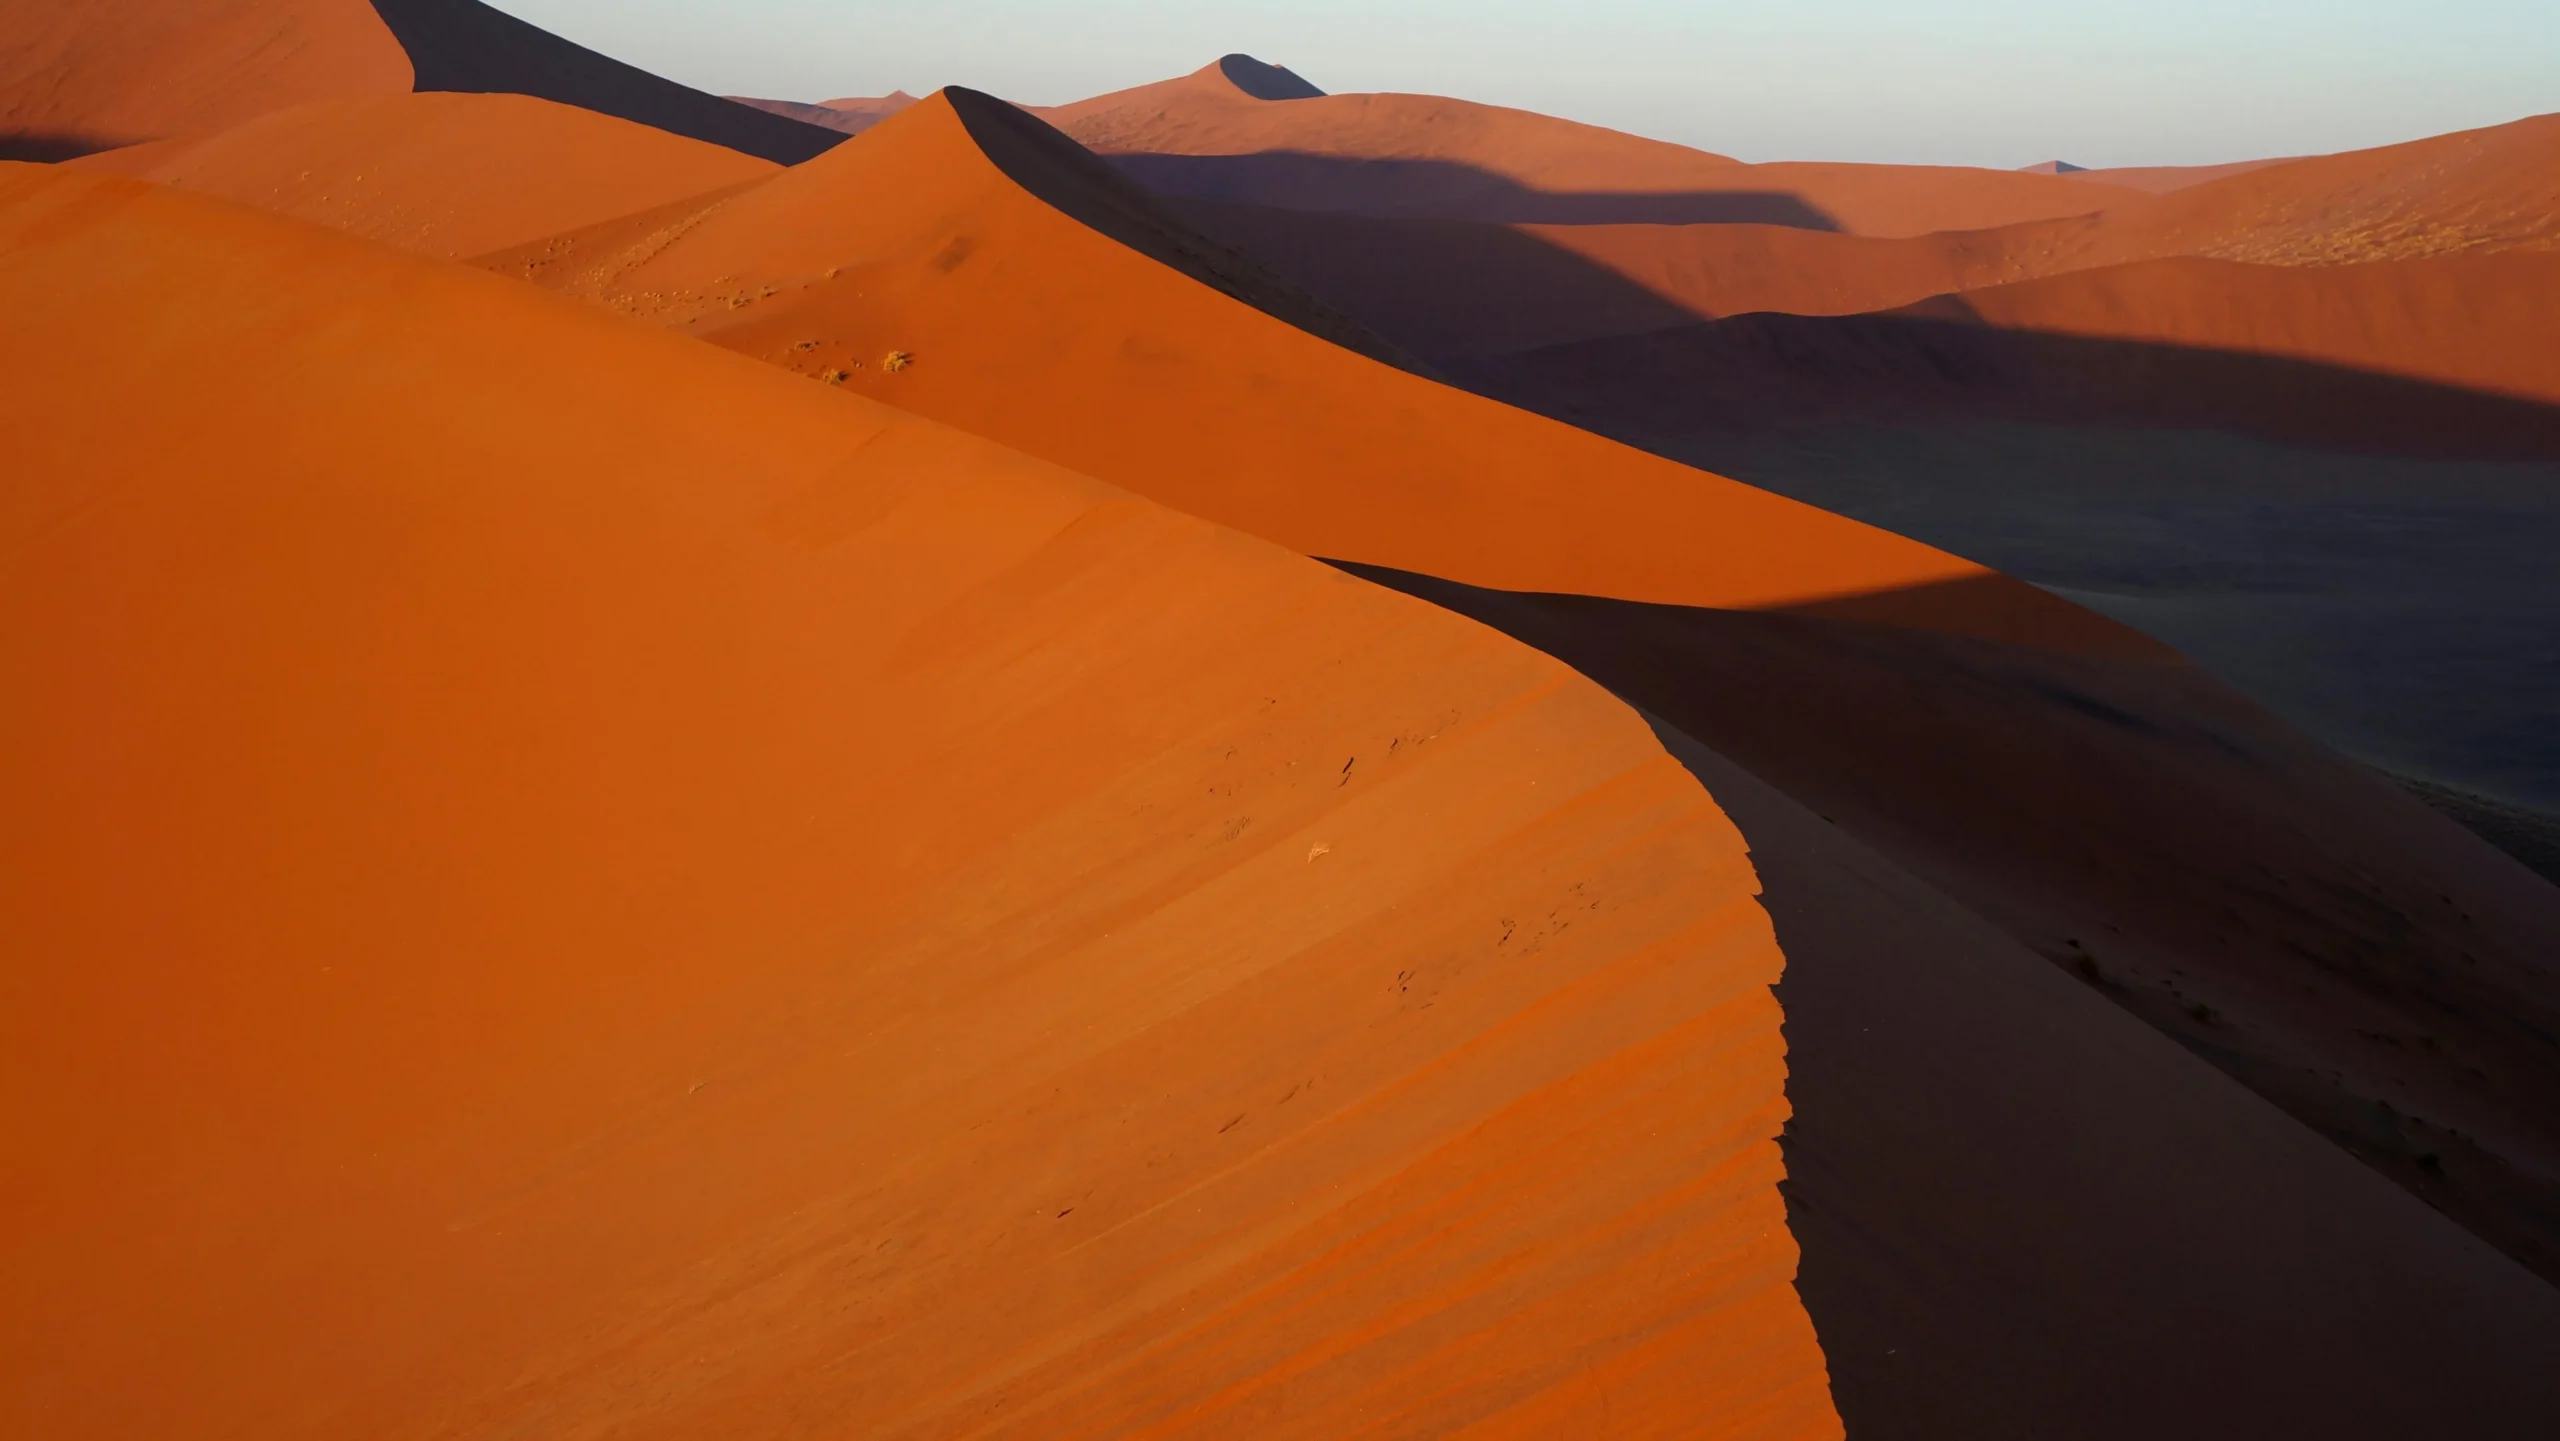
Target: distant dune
[
  {"x": 592, "y": 884},
  {"x": 1205, "y": 136},
  {"x": 79, "y": 77},
  {"x": 449, "y": 175},
  {"x": 849, "y": 116}
]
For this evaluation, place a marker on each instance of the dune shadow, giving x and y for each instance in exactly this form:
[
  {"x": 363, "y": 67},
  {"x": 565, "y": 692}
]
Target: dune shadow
[
  {"x": 44, "y": 147},
  {"x": 1439, "y": 288},
  {"x": 2019, "y": 1215},
  {"x": 1451, "y": 190},
  {"x": 463, "y": 45},
  {"x": 1766, "y": 371}
]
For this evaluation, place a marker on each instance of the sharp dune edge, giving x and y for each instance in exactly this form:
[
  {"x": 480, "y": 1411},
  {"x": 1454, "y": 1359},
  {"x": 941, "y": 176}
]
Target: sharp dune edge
[{"x": 597, "y": 840}]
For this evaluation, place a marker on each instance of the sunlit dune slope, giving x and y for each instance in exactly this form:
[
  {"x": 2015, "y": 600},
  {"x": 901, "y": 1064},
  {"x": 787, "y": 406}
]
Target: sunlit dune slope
[
  {"x": 2485, "y": 320},
  {"x": 1425, "y": 155},
  {"x": 2163, "y": 179},
  {"x": 1027, "y": 326},
  {"x": 2492, "y": 189},
  {"x": 450, "y": 175},
  {"x": 562, "y": 881},
  {"x": 80, "y": 75}
]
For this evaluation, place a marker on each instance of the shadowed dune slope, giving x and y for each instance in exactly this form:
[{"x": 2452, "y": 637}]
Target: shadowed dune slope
[
  {"x": 586, "y": 885},
  {"x": 2448, "y": 357},
  {"x": 467, "y": 46},
  {"x": 442, "y": 174},
  {"x": 1025, "y": 325},
  {"x": 78, "y": 76}
]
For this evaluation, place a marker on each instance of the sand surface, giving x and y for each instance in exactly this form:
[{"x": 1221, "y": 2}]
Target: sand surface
[
  {"x": 588, "y": 885},
  {"x": 850, "y": 116},
  {"x": 1024, "y": 325},
  {"x": 78, "y": 76},
  {"x": 442, "y": 174}
]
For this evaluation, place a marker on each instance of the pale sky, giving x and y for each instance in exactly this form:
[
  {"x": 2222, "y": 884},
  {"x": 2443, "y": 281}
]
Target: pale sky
[{"x": 1995, "y": 82}]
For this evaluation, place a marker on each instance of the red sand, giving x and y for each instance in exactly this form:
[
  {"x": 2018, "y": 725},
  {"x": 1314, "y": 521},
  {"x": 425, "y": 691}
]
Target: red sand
[
  {"x": 584, "y": 885},
  {"x": 2164, "y": 179},
  {"x": 83, "y": 75},
  {"x": 449, "y": 175},
  {"x": 1029, "y": 327}
]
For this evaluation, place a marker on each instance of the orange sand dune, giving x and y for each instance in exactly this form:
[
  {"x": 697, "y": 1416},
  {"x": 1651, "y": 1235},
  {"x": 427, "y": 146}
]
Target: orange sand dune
[
  {"x": 986, "y": 306},
  {"x": 1204, "y": 135},
  {"x": 1032, "y": 328},
  {"x": 2492, "y": 189},
  {"x": 2485, "y": 320},
  {"x": 562, "y": 881},
  {"x": 80, "y": 75},
  {"x": 449, "y": 175}
]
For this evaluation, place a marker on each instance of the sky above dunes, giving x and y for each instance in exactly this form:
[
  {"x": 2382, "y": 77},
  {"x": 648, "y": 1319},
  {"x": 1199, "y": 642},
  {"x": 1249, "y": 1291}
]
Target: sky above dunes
[{"x": 1992, "y": 82}]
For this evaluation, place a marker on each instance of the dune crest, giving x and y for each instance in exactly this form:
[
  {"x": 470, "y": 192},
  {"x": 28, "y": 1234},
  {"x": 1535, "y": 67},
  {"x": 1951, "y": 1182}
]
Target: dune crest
[{"x": 626, "y": 890}]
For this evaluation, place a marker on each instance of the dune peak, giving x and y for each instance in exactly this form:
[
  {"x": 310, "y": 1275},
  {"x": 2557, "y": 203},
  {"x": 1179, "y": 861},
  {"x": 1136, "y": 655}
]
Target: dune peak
[
  {"x": 1264, "y": 81},
  {"x": 2053, "y": 167}
]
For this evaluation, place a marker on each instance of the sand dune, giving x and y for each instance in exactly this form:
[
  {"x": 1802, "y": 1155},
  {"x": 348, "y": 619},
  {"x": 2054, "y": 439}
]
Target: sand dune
[
  {"x": 2162, "y": 179},
  {"x": 78, "y": 76},
  {"x": 2492, "y": 189},
  {"x": 588, "y": 884},
  {"x": 1422, "y": 155},
  {"x": 1032, "y": 328},
  {"x": 442, "y": 174},
  {"x": 1021, "y": 324}
]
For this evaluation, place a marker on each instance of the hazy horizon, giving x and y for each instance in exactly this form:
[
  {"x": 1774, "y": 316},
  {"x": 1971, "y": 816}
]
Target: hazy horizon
[{"x": 2000, "y": 84}]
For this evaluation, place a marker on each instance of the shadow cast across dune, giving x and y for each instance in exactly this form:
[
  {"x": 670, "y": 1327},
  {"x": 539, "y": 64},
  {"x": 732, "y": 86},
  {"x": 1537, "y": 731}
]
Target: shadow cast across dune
[
  {"x": 463, "y": 45},
  {"x": 1451, "y": 189},
  {"x": 1764, "y": 371},
  {"x": 2024, "y": 1211},
  {"x": 44, "y": 147}
]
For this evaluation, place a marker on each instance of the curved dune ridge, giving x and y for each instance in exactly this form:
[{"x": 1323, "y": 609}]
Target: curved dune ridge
[
  {"x": 78, "y": 76},
  {"x": 1024, "y": 325},
  {"x": 1426, "y": 155},
  {"x": 442, "y": 174},
  {"x": 591, "y": 885}
]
